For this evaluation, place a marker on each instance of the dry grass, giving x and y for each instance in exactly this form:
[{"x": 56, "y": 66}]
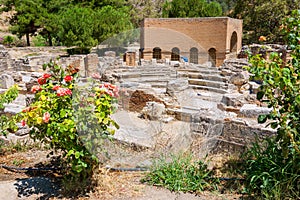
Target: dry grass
[{"x": 113, "y": 185}]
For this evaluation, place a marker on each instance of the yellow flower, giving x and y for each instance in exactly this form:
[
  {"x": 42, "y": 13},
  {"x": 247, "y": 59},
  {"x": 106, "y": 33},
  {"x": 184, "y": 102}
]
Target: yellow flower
[{"x": 39, "y": 120}]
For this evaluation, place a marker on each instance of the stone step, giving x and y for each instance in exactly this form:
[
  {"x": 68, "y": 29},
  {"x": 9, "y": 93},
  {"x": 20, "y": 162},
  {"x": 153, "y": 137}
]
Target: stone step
[
  {"x": 202, "y": 82},
  {"x": 211, "y": 77},
  {"x": 207, "y": 88},
  {"x": 213, "y": 69}
]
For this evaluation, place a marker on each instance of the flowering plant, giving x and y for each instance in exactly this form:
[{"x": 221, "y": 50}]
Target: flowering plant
[{"x": 71, "y": 118}]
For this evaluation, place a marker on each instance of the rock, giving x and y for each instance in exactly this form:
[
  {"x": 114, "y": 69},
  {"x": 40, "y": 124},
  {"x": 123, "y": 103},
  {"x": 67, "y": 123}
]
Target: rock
[
  {"x": 177, "y": 85},
  {"x": 253, "y": 111},
  {"x": 233, "y": 99},
  {"x": 153, "y": 110},
  {"x": 253, "y": 87},
  {"x": 6, "y": 81},
  {"x": 239, "y": 78},
  {"x": 13, "y": 108},
  {"x": 110, "y": 54}
]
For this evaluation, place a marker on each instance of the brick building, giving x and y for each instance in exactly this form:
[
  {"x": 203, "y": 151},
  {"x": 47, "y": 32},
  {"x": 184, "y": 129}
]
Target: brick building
[{"x": 198, "y": 40}]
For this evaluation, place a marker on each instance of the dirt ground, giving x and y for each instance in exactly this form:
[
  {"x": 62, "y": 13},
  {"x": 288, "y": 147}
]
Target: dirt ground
[{"x": 112, "y": 185}]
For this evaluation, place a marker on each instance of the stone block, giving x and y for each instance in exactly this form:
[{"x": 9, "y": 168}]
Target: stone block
[
  {"x": 253, "y": 111},
  {"x": 6, "y": 81}
]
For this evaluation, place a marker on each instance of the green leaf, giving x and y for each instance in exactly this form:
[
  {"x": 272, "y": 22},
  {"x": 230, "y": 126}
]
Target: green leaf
[
  {"x": 262, "y": 118},
  {"x": 260, "y": 95}
]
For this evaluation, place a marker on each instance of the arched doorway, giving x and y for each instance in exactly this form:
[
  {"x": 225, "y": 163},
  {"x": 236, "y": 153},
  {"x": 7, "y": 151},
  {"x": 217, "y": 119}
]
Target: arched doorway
[
  {"x": 212, "y": 56},
  {"x": 175, "y": 55},
  {"x": 233, "y": 43},
  {"x": 156, "y": 53},
  {"x": 194, "y": 55}
]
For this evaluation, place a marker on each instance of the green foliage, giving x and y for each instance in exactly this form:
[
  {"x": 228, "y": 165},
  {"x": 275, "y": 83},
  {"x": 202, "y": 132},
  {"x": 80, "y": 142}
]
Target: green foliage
[
  {"x": 274, "y": 168},
  {"x": 191, "y": 8},
  {"x": 39, "y": 41},
  {"x": 5, "y": 98},
  {"x": 262, "y": 18},
  {"x": 181, "y": 174},
  {"x": 8, "y": 40},
  {"x": 269, "y": 174},
  {"x": 56, "y": 114}
]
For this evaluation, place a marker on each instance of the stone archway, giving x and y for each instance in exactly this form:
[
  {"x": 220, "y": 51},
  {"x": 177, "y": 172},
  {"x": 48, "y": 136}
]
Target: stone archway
[
  {"x": 233, "y": 43},
  {"x": 175, "y": 55},
  {"x": 194, "y": 55},
  {"x": 212, "y": 56},
  {"x": 156, "y": 53}
]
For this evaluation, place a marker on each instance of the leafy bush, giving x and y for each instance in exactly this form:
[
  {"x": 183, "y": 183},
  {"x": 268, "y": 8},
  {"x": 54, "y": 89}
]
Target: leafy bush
[
  {"x": 39, "y": 41},
  {"x": 269, "y": 174},
  {"x": 56, "y": 118},
  {"x": 5, "y": 98},
  {"x": 274, "y": 170},
  {"x": 8, "y": 40},
  {"x": 181, "y": 174}
]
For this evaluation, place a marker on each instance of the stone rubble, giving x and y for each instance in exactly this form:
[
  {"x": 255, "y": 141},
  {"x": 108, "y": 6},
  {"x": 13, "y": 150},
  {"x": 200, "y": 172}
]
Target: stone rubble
[{"x": 198, "y": 107}]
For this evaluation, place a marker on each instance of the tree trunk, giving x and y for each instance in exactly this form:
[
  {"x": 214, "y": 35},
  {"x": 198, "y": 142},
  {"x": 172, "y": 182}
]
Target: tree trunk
[
  {"x": 50, "y": 39},
  {"x": 27, "y": 39}
]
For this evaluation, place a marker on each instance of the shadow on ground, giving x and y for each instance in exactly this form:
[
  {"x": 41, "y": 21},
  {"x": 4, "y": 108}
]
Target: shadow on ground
[{"x": 40, "y": 187}]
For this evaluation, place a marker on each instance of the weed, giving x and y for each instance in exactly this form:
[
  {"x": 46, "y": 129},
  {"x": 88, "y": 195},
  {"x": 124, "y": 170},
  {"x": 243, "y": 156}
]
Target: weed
[
  {"x": 270, "y": 174},
  {"x": 18, "y": 162},
  {"x": 181, "y": 174}
]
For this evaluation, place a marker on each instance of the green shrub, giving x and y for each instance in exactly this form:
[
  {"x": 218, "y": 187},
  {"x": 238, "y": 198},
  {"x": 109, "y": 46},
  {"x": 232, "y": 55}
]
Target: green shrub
[
  {"x": 70, "y": 120},
  {"x": 8, "y": 40},
  {"x": 5, "y": 98},
  {"x": 273, "y": 171},
  {"x": 181, "y": 174},
  {"x": 39, "y": 41},
  {"x": 269, "y": 174}
]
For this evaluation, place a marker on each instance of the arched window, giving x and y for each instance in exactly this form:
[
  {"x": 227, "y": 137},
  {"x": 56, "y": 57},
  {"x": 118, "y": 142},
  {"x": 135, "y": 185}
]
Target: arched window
[
  {"x": 175, "y": 55},
  {"x": 233, "y": 42},
  {"x": 212, "y": 56},
  {"x": 194, "y": 55},
  {"x": 157, "y": 53}
]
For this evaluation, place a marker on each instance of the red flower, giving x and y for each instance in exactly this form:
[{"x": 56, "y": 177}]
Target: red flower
[
  {"x": 36, "y": 88},
  {"x": 56, "y": 87},
  {"x": 23, "y": 123},
  {"x": 41, "y": 80},
  {"x": 45, "y": 76},
  {"x": 46, "y": 117},
  {"x": 63, "y": 92},
  {"x": 68, "y": 78}
]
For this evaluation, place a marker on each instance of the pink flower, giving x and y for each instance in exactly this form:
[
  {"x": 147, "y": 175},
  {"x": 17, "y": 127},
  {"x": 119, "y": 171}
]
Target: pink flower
[
  {"x": 96, "y": 76},
  {"x": 68, "y": 78},
  {"x": 56, "y": 87},
  {"x": 63, "y": 92},
  {"x": 41, "y": 80},
  {"x": 36, "y": 88},
  {"x": 45, "y": 76},
  {"x": 23, "y": 123},
  {"x": 46, "y": 117}
]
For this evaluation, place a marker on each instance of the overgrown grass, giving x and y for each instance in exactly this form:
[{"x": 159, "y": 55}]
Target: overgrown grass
[
  {"x": 271, "y": 175},
  {"x": 181, "y": 173}
]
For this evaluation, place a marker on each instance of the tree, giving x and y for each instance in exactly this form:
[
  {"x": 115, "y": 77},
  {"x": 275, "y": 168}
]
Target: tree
[
  {"x": 77, "y": 27},
  {"x": 191, "y": 8},
  {"x": 110, "y": 21},
  {"x": 25, "y": 19},
  {"x": 262, "y": 18}
]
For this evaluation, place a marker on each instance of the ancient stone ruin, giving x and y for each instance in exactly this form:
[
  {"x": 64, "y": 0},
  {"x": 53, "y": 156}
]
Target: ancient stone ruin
[{"x": 162, "y": 107}]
